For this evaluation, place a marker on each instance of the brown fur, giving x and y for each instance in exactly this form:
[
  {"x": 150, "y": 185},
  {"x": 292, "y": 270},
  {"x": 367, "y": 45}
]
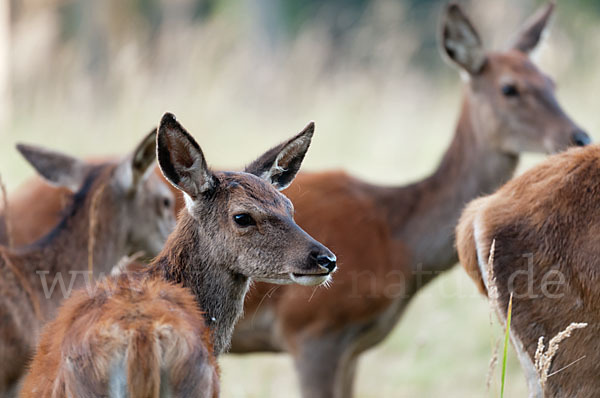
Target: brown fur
[
  {"x": 31, "y": 219},
  {"x": 154, "y": 324},
  {"x": 24, "y": 305},
  {"x": 152, "y": 319},
  {"x": 549, "y": 214}
]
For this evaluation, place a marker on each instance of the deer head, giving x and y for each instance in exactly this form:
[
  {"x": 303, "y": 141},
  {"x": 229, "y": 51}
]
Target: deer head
[
  {"x": 512, "y": 103},
  {"x": 247, "y": 220},
  {"x": 138, "y": 201}
]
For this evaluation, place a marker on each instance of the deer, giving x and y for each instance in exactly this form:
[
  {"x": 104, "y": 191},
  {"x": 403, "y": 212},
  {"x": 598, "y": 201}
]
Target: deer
[
  {"x": 158, "y": 333},
  {"x": 391, "y": 241},
  {"x": 119, "y": 208},
  {"x": 29, "y": 219},
  {"x": 537, "y": 239}
]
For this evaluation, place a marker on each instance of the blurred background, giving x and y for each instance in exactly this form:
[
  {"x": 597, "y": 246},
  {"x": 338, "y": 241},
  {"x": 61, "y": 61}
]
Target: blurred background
[{"x": 90, "y": 77}]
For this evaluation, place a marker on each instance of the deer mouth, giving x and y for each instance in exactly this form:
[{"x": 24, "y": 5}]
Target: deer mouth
[{"x": 310, "y": 279}]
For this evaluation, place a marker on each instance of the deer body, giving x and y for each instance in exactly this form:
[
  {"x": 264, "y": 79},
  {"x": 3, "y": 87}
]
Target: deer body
[
  {"x": 392, "y": 240},
  {"x": 545, "y": 227},
  {"x": 37, "y": 278},
  {"x": 31, "y": 218},
  {"x": 235, "y": 227}
]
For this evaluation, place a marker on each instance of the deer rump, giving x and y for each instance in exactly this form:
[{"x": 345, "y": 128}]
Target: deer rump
[
  {"x": 543, "y": 227},
  {"x": 159, "y": 347}
]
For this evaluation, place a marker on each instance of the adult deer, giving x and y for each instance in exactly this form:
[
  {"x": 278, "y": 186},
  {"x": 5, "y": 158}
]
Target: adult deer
[
  {"x": 392, "y": 240},
  {"x": 144, "y": 335},
  {"x": 29, "y": 218},
  {"x": 546, "y": 229},
  {"x": 119, "y": 208}
]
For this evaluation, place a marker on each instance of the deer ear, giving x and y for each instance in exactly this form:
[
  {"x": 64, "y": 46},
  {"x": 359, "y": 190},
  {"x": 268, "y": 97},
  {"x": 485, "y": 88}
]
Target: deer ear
[
  {"x": 280, "y": 164},
  {"x": 137, "y": 167},
  {"x": 532, "y": 31},
  {"x": 181, "y": 160},
  {"x": 144, "y": 157},
  {"x": 460, "y": 41},
  {"x": 56, "y": 168}
]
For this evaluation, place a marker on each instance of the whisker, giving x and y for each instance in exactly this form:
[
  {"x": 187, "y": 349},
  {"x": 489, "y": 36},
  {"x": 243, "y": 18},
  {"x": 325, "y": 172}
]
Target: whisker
[
  {"x": 313, "y": 293},
  {"x": 268, "y": 294}
]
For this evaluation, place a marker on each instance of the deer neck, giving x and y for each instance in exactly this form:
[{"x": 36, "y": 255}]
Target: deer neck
[
  {"x": 64, "y": 252},
  {"x": 190, "y": 259},
  {"x": 423, "y": 215}
]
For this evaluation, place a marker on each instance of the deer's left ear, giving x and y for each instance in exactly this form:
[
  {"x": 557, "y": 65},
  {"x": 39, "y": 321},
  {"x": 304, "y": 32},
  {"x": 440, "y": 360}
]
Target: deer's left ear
[
  {"x": 532, "y": 31},
  {"x": 280, "y": 164}
]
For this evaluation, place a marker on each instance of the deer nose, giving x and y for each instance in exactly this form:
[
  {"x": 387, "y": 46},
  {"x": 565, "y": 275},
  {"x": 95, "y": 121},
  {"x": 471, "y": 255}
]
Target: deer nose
[
  {"x": 327, "y": 262},
  {"x": 324, "y": 259},
  {"x": 580, "y": 138}
]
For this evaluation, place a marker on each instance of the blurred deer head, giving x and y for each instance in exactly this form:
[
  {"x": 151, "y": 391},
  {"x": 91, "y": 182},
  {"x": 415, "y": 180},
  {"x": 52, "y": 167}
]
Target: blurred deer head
[{"x": 510, "y": 100}]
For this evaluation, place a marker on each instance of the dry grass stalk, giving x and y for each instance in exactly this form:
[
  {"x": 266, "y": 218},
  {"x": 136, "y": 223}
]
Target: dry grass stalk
[
  {"x": 492, "y": 366},
  {"x": 493, "y": 299},
  {"x": 544, "y": 356},
  {"x": 7, "y": 223},
  {"x": 124, "y": 262},
  {"x": 92, "y": 230},
  {"x": 33, "y": 299},
  {"x": 491, "y": 278}
]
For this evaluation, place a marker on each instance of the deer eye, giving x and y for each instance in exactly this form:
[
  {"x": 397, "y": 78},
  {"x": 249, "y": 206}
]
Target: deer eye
[
  {"x": 167, "y": 202},
  {"x": 510, "y": 90},
  {"x": 244, "y": 220}
]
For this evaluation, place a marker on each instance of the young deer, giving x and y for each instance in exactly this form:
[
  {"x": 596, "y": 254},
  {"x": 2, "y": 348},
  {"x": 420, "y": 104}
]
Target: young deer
[
  {"x": 144, "y": 335},
  {"x": 119, "y": 208},
  {"x": 546, "y": 252},
  {"x": 392, "y": 240}
]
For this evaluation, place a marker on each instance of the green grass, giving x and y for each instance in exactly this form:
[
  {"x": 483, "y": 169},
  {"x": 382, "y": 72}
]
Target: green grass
[{"x": 506, "y": 341}]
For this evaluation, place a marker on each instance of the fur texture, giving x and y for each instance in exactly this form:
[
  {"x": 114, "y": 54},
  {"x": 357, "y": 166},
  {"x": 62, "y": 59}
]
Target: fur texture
[
  {"x": 37, "y": 278},
  {"x": 545, "y": 227}
]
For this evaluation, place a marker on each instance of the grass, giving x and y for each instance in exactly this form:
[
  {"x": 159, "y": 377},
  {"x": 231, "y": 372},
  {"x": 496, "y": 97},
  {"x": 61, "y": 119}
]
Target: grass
[{"x": 506, "y": 341}]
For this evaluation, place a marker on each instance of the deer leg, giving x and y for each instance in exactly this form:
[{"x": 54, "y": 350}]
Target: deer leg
[
  {"x": 345, "y": 384},
  {"x": 326, "y": 367},
  {"x": 531, "y": 375}
]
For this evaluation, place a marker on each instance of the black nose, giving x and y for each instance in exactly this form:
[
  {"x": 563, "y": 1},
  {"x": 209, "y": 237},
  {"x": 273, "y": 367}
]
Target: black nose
[
  {"x": 580, "y": 138},
  {"x": 327, "y": 262}
]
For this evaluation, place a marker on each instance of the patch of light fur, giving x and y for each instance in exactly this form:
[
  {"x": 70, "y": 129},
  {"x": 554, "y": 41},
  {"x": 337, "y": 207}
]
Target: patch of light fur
[
  {"x": 481, "y": 255},
  {"x": 189, "y": 202},
  {"x": 464, "y": 75}
]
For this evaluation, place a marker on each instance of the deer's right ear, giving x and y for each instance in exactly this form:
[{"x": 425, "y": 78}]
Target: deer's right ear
[
  {"x": 280, "y": 164},
  {"x": 460, "y": 41},
  {"x": 181, "y": 160},
  {"x": 56, "y": 168}
]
